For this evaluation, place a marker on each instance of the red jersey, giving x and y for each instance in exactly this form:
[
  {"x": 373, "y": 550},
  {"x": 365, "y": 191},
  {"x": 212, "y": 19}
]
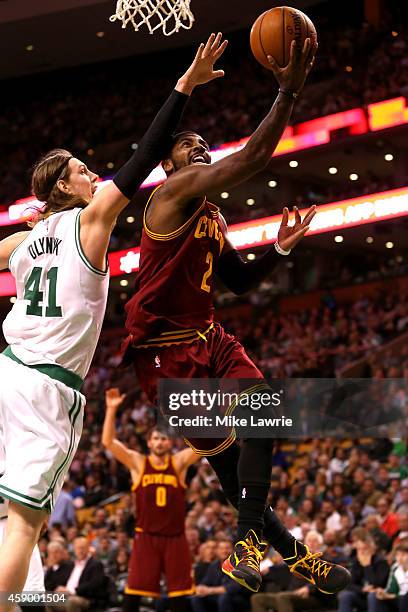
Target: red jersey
[
  {"x": 175, "y": 283},
  {"x": 160, "y": 499}
]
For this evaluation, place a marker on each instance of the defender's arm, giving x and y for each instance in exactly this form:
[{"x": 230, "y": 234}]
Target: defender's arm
[{"x": 98, "y": 219}]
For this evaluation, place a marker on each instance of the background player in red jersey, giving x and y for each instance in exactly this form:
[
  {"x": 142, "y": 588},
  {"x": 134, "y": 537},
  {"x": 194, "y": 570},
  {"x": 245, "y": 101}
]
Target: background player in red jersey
[
  {"x": 160, "y": 546},
  {"x": 170, "y": 318}
]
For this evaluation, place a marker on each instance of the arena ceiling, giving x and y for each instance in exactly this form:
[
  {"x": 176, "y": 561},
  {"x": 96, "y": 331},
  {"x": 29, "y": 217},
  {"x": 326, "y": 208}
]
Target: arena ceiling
[{"x": 63, "y": 32}]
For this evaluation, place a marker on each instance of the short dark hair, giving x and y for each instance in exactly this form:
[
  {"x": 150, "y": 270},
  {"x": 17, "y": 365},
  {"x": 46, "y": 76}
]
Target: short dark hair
[
  {"x": 174, "y": 139},
  {"x": 160, "y": 430},
  {"x": 402, "y": 546}
]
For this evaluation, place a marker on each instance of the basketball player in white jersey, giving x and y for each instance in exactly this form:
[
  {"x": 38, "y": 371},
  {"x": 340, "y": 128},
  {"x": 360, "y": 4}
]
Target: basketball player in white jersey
[{"x": 53, "y": 328}]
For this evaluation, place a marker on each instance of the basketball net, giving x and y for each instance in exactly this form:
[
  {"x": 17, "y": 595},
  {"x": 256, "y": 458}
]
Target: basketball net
[{"x": 169, "y": 15}]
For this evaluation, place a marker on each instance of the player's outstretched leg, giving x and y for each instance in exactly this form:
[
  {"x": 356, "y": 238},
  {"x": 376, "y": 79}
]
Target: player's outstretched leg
[
  {"x": 23, "y": 530},
  {"x": 254, "y": 477},
  {"x": 327, "y": 577}
]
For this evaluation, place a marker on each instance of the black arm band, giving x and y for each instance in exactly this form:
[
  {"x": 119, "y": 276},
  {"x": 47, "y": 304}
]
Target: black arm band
[
  {"x": 153, "y": 145},
  {"x": 240, "y": 276}
]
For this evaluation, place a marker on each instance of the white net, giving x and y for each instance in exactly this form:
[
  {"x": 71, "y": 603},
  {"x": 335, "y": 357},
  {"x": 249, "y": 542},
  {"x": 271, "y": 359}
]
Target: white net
[{"x": 169, "y": 15}]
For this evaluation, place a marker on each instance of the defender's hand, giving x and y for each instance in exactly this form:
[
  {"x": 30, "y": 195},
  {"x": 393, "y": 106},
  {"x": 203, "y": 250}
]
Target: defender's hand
[
  {"x": 114, "y": 399},
  {"x": 293, "y": 76},
  {"x": 289, "y": 236},
  {"x": 202, "y": 69}
]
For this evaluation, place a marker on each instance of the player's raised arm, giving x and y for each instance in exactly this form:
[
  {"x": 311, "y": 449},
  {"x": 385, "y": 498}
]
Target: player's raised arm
[
  {"x": 119, "y": 450},
  {"x": 99, "y": 217},
  {"x": 240, "y": 276},
  {"x": 110, "y": 201},
  {"x": 8, "y": 245},
  {"x": 196, "y": 180}
]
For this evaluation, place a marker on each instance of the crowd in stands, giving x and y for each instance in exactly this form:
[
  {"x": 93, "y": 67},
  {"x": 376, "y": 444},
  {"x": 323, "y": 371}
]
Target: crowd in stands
[
  {"x": 348, "y": 498},
  {"x": 357, "y": 64}
]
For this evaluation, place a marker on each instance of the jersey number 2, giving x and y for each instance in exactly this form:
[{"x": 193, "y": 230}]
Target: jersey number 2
[
  {"x": 33, "y": 294},
  {"x": 208, "y": 260}
]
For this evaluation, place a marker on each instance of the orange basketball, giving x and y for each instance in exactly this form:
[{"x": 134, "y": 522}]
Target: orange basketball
[{"x": 274, "y": 30}]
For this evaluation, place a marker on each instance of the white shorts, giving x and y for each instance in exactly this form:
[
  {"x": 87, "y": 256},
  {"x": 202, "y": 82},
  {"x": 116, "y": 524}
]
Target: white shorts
[
  {"x": 41, "y": 425},
  {"x": 35, "y": 576}
]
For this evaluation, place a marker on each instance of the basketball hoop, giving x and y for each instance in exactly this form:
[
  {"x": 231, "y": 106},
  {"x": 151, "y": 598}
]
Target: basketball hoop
[{"x": 169, "y": 15}]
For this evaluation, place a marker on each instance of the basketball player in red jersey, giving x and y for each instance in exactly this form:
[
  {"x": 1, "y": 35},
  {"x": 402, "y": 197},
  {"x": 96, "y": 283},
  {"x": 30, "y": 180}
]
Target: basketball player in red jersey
[
  {"x": 160, "y": 545},
  {"x": 170, "y": 318}
]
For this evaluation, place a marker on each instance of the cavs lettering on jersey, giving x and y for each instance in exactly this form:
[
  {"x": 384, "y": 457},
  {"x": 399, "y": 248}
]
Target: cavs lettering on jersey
[
  {"x": 160, "y": 499},
  {"x": 61, "y": 297},
  {"x": 173, "y": 301}
]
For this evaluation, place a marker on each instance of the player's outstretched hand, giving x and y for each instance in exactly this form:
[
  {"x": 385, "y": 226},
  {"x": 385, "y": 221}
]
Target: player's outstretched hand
[
  {"x": 114, "y": 398},
  {"x": 292, "y": 77},
  {"x": 290, "y": 235},
  {"x": 202, "y": 69}
]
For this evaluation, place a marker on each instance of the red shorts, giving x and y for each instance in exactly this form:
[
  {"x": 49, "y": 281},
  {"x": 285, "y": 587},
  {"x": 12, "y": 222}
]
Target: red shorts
[
  {"x": 220, "y": 356},
  {"x": 154, "y": 555}
]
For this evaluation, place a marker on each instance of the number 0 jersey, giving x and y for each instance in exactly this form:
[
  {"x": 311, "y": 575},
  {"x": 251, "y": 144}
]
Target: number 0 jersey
[
  {"x": 61, "y": 297},
  {"x": 175, "y": 283},
  {"x": 160, "y": 499}
]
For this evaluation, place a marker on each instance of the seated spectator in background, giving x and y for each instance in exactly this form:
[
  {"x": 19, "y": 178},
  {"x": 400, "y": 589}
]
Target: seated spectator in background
[
  {"x": 395, "y": 596},
  {"x": 388, "y": 520},
  {"x": 64, "y": 510},
  {"x": 332, "y": 551},
  {"x": 382, "y": 541},
  {"x": 206, "y": 555},
  {"x": 106, "y": 551},
  {"x": 86, "y": 584},
  {"x": 217, "y": 592},
  {"x": 395, "y": 468},
  {"x": 207, "y": 523},
  {"x": 59, "y": 566},
  {"x": 100, "y": 518},
  {"x": 298, "y": 595},
  {"x": 403, "y": 527},
  {"x": 94, "y": 491},
  {"x": 118, "y": 565},
  {"x": 369, "y": 571},
  {"x": 402, "y": 506}
]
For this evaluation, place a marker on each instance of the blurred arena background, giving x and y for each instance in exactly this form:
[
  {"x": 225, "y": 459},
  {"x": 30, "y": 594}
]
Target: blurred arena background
[{"x": 336, "y": 307}]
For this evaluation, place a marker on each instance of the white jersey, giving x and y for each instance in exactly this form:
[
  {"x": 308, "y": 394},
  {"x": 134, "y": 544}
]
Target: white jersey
[{"x": 61, "y": 297}]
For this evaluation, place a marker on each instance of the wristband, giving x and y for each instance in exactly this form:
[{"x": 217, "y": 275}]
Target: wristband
[
  {"x": 291, "y": 94},
  {"x": 280, "y": 250}
]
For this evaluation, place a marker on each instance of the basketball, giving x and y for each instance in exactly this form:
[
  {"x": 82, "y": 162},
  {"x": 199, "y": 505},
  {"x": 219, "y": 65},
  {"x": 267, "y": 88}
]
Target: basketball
[{"x": 274, "y": 31}]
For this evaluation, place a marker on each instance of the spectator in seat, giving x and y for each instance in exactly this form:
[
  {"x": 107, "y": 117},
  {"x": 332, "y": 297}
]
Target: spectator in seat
[
  {"x": 382, "y": 541},
  {"x": 369, "y": 571},
  {"x": 206, "y": 555},
  {"x": 395, "y": 596},
  {"x": 388, "y": 520},
  {"x": 86, "y": 584},
  {"x": 403, "y": 528},
  {"x": 59, "y": 566},
  {"x": 402, "y": 507},
  {"x": 217, "y": 592}
]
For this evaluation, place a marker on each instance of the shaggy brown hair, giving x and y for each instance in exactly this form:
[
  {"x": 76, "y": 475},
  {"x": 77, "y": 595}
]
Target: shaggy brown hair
[{"x": 51, "y": 168}]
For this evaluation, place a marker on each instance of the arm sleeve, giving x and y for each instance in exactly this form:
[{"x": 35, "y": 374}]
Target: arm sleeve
[
  {"x": 153, "y": 145},
  {"x": 241, "y": 276}
]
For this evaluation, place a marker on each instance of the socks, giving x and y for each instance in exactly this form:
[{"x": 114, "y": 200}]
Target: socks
[
  {"x": 254, "y": 476},
  {"x": 277, "y": 534},
  {"x": 225, "y": 465}
]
